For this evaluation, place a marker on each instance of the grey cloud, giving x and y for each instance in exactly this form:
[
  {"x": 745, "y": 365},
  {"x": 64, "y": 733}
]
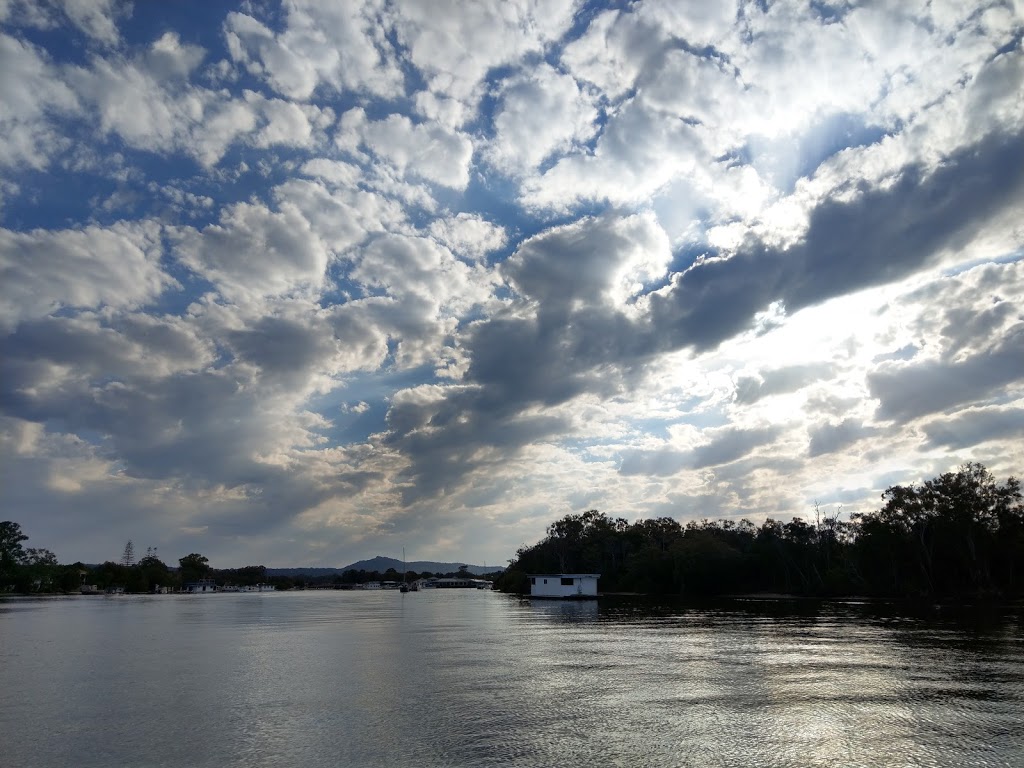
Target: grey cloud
[
  {"x": 661, "y": 463},
  {"x": 726, "y": 446},
  {"x": 975, "y": 426},
  {"x": 965, "y": 326},
  {"x": 779, "y": 381},
  {"x": 878, "y": 237},
  {"x": 731, "y": 444},
  {"x": 146, "y": 394},
  {"x": 580, "y": 262},
  {"x": 572, "y": 346},
  {"x": 56, "y": 351},
  {"x": 284, "y": 346},
  {"x": 447, "y": 444},
  {"x": 910, "y": 391},
  {"x": 831, "y": 438}
]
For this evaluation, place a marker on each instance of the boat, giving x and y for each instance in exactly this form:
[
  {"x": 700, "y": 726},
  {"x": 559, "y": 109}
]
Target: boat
[{"x": 405, "y": 575}]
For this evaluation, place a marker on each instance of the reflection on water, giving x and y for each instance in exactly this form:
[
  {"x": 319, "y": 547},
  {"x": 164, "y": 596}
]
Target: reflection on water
[{"x": 479, "y": 678}]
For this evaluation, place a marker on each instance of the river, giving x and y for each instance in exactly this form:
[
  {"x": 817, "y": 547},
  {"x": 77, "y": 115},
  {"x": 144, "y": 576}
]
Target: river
[{"x": 468, "y": 678}]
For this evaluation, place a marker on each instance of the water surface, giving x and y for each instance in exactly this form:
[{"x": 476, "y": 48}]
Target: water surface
[{"x": 460, "y": 677}]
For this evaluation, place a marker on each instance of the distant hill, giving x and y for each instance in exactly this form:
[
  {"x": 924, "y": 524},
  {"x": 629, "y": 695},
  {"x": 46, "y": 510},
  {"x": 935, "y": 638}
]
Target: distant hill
[{"x": 381, "y": 564}]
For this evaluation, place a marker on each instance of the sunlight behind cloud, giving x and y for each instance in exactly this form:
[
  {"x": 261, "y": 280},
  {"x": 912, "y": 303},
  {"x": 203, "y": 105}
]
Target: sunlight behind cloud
[{"x": 303, "y": 283}]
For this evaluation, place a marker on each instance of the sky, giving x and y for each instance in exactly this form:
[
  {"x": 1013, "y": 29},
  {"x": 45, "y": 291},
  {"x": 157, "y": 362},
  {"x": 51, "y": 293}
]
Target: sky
[{"x": 303, "y": 283}]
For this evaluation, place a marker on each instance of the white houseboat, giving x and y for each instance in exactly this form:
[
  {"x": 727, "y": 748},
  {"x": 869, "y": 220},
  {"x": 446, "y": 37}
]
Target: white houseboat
[
  {"x": 258, "y": 588},
  {"x": 201, "y": 587},
  {"x": 564, "y": 586}
]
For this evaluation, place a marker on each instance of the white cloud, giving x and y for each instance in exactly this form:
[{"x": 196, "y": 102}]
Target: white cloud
[
  {"x": 421, "y": 150},
  {"x": 43, "y": 270},
  {"x": 492, "y": 260},
  {"x": 30, "y": 92},
  {"x": 254, "y": 251},
  {"x": 96, "y": 18},
  {"x": 540, "y": 112},
  {"x": 638, "y": 154},
  {"x": 468, "y": 235},
  {"x": 612, "y": 52},
  {"x": 338, "y": 45},
  {"x": 592, "y": 261},
  {"x": 455, "y": 45},
  {"x": 416, "y": 266},
  {"x": 151, "y": 106}
]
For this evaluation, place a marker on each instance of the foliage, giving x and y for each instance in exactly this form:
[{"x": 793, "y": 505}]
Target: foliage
[
  {"x": 11, "y": 551},
  {"x": 960, "y": 534},
  {"x": 193, "y": 567}
]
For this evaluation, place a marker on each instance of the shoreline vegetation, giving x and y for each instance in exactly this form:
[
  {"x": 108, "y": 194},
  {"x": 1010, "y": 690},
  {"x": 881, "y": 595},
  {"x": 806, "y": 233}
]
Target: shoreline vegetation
[
  {"x": 30, "y": 572},
  {"x": 956, "y": 538}
]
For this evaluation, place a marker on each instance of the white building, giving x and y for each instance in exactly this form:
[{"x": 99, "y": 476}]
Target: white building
[
  {"x": 574, "y": 586},
  {"x": 201, "y": 587}
]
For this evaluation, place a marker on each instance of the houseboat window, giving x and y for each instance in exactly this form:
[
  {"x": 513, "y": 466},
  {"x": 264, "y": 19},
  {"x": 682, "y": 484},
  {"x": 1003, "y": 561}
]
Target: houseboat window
[
  {"x": 567, "y": 582},
  {"x": 533, "y": 580},
  {"x": 545, "y": 581}
]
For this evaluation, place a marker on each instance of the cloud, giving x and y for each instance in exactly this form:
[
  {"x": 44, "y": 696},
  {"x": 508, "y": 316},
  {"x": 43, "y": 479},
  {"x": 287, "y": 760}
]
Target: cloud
[
  {"x": 454, "y": 46},
  {"x": 420, "y": 150},
  {"x": 323, "y": 44},
  {"x": 831, "y": 438},
  {"x": 30, "y": 93},
  {"x": 256, "y": 251},
  {"x": 910, "y": 391},
  {"x": 878, "y": 236},
  {"x": 46, "y": 270},
  {"x": 750, "y": 389},
  {"x": 149, "y": 103},
  {"x": 469, "y": 235},
  {"x": 540, "y": 112},
  {"x": 302, "y": 281},
  {"x": 974, "y": 426},
  {"x": 725, "y": 446},
  {"x": 592, "y": 262}
]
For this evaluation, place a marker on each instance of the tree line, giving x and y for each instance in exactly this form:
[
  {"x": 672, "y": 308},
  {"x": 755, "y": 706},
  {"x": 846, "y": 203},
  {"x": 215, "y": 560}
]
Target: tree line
[
  {"x": 959, "y": 535},
  {"x": 36, "y": 571}
]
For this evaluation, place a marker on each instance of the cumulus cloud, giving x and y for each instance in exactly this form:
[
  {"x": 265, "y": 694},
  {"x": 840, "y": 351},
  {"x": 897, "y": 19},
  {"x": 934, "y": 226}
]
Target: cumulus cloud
[
  {"x": 591, "y": 262},
  {"x": 455, "y": 46},
  {"x": 149, "y": 103},
  {"x": 323, "y": 44},
  {"x": 256, "y": 251},
  {"x": 907, "y": 392},
  {"x": 45, "y": 270},
  {"x": 469, "y": 235},
  {"x": 30, "y": 93},
  {"x": 541, "y": 112},
  {"x": 421, "y": 150},
  {"x": 349, "y": 269}
]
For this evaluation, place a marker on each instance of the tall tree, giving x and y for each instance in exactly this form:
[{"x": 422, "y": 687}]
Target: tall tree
[
  {"x": 11, "y": 552},
  {"x": 128, "y": 558},
  {"x": 194, "y": 567}
]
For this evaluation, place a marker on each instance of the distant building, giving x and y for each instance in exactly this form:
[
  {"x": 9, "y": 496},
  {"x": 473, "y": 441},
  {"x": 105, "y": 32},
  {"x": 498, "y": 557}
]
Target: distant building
[
  {"x": 259, "y": 588},
  {"x": 200, "y": 587},
  {"x": 566, "y": 586},
  {"x": 455, "y": 582}
]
